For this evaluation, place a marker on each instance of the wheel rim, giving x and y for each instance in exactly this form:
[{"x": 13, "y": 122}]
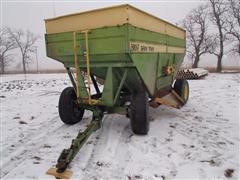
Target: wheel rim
[{"x": 185, "y": 92}]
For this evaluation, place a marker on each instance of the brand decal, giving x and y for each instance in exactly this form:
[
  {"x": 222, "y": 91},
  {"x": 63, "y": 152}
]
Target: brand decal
[
  {"x": 147, "y": 47},
  {"x": 141, "y": 47}
]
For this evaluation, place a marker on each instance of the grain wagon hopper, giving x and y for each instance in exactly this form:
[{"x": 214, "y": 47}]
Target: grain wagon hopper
[{"x": 135, "y": 54}]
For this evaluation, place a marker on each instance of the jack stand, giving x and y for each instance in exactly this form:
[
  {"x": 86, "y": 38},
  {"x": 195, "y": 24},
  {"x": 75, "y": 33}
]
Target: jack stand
[{"x": 67, "y": 155}]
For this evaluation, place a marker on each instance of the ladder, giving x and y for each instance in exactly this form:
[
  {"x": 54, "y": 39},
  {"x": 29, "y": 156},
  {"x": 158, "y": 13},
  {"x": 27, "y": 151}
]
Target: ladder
[{"x": 89, "y": 100}]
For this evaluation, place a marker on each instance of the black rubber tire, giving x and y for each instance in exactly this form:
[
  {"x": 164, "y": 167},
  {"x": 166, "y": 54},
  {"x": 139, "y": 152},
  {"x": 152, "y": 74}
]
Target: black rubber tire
[
  {"x": 69, "y": 111},
  {"x": 139, "y": 113},
  {"x": 181, "y": 87}
]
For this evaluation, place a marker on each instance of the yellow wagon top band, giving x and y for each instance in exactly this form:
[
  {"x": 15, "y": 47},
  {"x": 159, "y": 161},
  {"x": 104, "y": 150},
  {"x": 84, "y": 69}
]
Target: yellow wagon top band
[{"x": 112, "y": 16}]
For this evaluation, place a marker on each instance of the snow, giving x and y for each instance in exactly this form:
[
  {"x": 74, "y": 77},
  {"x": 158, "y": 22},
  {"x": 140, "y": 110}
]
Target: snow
[{"x": 201, "y": 140}]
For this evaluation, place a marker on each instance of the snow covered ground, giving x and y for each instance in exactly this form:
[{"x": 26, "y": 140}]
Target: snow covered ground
[{"x": 201, "y": 140}]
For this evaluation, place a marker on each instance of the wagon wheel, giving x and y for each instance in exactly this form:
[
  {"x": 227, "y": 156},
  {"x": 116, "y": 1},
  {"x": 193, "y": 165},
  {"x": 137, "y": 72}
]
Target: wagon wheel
[
  {"x": 182, "y": 89},
  {"x": 69, "y": 110},
  {"x": 139, "y": 113}
]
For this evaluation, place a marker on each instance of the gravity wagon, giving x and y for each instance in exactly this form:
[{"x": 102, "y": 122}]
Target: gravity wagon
[{"x": 134, "y": 54}]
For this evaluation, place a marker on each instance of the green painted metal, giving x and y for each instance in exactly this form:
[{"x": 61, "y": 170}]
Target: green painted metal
[
  {"x": 105, "y": 44},
  {"x": 139, "y": 34},
  {"x": 147, "y": 69},
  {"x": 117, "y": 109},
  {"x": 114, "y": 83},
  {"x": 123, "y": 78},
  {"x": 109, "y": 88},
  {"x": 68, "y": 155},
  {"x": 124, "y": 71},
  {"x": 82, "y": 87},
  {"x": 110, "y": 56}
]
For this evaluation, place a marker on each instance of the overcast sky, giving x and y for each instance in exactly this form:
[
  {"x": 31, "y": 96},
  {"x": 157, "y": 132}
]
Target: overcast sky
[{"x": 30, "y": 15}]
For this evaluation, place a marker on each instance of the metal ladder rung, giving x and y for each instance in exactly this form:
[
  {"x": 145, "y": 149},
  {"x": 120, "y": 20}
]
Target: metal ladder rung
[
  {"x": 87, "y": 61},
  {"x": 86, "y": 87}
]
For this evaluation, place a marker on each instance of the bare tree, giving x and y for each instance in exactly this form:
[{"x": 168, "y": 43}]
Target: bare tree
[
  {"x": 218, "y": 17},
  {"x": 25, "y": 42},
  {"x": 6, "y": 45},
  {"x": 233, "y": 24},
  {"x": 198, "y": 41}
]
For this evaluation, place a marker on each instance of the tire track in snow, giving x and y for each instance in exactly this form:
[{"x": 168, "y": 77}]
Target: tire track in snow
[
  {"x": 122, "y": 154},
  {"x": 31, "y": 135},
  {"x": 111, "y": 145},
  {"x": 14, "y": 159},
  {"x": 99, "y": 144}
]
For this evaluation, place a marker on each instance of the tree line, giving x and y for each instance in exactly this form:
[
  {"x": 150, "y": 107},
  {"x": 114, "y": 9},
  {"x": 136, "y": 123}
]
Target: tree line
[
  {"x": 212, "y": 28},
  {"x": 201, "y": 25},
  {"x": 11, "y": 40}
]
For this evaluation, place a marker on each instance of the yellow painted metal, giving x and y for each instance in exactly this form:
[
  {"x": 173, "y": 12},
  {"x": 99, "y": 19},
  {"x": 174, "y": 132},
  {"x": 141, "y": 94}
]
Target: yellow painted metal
[
  {"x": 112, "y": 16},
  {"x": 177, "y": 96},
  {"x": 168, "y": 100},
  {"x": 88, "y": 66},
  {"x": 147, "y": 21},
  {"x": 135, "y": 46},
  {"x": 172, "y": 99},
  {"x": 90, "y": 100},
  {"x": 75, "y": 48},
  {"x": 172, "y": 49},
  {"x": 67, "y": 174},
  {"x": 168, "y": 70},
  {"x": 185, "y": 92},
  {"x": 88, "y": 73}
]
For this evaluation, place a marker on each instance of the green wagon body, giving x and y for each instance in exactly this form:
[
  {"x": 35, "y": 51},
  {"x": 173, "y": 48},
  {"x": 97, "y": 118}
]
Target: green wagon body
[{"x": 141, "y": 53}]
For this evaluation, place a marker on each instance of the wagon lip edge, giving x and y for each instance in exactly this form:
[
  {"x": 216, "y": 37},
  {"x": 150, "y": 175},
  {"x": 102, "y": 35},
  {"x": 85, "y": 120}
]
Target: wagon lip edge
[
  {"x": 88, "y": 11},
  {"x": 112, "y": 7}
]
